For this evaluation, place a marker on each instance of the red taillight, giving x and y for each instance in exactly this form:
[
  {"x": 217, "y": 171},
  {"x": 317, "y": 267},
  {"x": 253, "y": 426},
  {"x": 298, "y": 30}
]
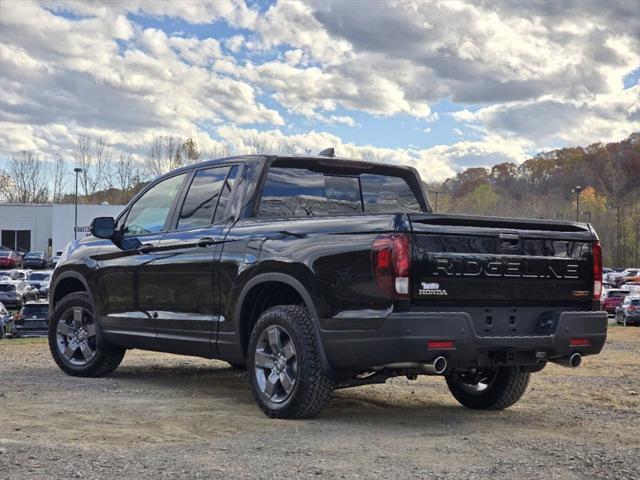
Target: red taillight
[
  {"x": 596, "y": 253},
  {"x": 391, "y": 255},
  {"x": 440, "y": 345},
  {"x": 579, "y": 342}
]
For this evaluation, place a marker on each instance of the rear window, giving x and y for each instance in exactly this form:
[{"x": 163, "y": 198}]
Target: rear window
[
  {"x": 617, "y": 294},
  {"x": 38, "y": 310},
  {"x": 384, "y": 193},
  {"x": 300, "y": 192}
]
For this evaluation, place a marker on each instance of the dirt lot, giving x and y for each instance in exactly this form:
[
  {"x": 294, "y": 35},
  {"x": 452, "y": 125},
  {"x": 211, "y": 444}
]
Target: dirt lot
[{"x": 163, "y": 416}]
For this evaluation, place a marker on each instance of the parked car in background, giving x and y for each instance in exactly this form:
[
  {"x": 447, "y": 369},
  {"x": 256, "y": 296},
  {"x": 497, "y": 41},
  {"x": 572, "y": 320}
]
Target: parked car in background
[
  {"x": 16, "y": 292},
  {"x": 19, "y": 274},
  {"x": 618, "y": 279},
  {"x": 4, "y": 318},
  {"x": 40, "y": 281},
  {"x": 32, "y": 320},
  {"x": 9, "y": 259},
  {"x": 632, "y": 288},
  {"x": 631, "y": 279},
  {"x": 629, "y": 311},
  {"x": 36, "y": 260},
  {"x": 612, "y": 299}
]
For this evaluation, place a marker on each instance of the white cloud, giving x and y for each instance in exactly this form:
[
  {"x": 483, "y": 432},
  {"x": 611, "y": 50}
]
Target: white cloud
[{"x": 526, "y": 75}]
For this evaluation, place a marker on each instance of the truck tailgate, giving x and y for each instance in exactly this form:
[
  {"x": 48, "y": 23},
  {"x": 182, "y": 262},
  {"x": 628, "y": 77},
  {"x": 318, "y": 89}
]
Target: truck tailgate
[{"x": 465, "y": 260}]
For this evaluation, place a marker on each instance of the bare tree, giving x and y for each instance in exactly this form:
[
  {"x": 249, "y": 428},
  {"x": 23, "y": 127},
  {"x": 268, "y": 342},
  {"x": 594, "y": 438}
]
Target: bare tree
[
  {"x": 127, "y": 176},
  {"x": 256, "y": 144},
  {"x": 93, "y": 156},
  {"x": 59, "y": 178},
  {"x": 164, "y": 155},
  {"x": 220, "y": 150},
  {"x": 25, "y": 181}
]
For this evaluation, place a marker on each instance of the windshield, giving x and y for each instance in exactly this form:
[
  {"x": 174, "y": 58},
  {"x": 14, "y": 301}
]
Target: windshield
[
  {"x": 35, "y": 254},
  {"x": 4, "y": 253},
  {"x": 39, "y": 276}
]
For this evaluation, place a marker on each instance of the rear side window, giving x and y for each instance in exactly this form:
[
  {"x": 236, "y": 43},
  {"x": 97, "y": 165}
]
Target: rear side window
[
  {"x": 199, "y": 205},
  {"x": 299, "y": 192},
  {"x": 293, "y": 192},
  {"x": 225, "y": 193}
]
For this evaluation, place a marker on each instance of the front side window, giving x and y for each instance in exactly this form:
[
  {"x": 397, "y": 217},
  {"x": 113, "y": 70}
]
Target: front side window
[
  {"x": 149, "y": 213},
  {"x": 199, "y": 205}
]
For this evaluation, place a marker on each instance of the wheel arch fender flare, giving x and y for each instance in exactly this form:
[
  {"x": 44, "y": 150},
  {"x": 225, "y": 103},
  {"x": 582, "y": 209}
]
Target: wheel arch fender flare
[
  {"x": 306, "y": 298},
  {"x": 69, "y": 274}
]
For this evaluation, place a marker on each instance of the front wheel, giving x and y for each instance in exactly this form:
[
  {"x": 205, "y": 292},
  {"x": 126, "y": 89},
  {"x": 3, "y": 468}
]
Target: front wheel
[
  {"x": 284, "y": 365},
  {"x": 74, "y": 339},
  {"x": 491, "y": 389}
]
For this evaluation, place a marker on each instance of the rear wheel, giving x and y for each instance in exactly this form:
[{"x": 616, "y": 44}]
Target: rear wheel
[
  {"x": 491, "y": 389},
  {"x": 284, "y": 364},
  {"x": 75, "y": 341}
]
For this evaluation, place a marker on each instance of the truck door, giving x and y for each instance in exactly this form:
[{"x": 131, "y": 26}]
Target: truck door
[{"x": 185, "y": 272}]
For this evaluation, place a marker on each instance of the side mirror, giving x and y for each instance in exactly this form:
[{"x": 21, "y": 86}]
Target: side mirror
[{"x": 103, "y": 227}]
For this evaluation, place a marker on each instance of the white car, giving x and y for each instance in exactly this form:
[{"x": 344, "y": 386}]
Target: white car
[
  {"x": 633, "y": 288},
  {"x": 19, "y": 274},
  {"x": 40, "y": 281},
  {"x": 4, "y": 318}
]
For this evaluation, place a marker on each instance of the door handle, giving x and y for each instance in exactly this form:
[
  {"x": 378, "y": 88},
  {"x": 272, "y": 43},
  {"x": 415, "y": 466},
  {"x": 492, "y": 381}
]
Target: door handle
[
  {"x": 206, "y": 242},
  {"x": 145, "y": 248}
]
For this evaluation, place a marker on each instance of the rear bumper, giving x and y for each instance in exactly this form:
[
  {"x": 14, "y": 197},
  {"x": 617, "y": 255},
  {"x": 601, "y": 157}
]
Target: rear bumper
[{"x": 404, "y": 337}]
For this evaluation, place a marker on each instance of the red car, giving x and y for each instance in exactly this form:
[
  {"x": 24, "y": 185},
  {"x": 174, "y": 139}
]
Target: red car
[
  {"x": 613, "y": 300},
  {"x": 9, "y": 259}
]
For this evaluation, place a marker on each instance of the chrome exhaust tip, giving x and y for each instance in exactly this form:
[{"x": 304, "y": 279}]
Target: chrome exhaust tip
[
  {"x": 572, "y": 361},
  {"x": 575, "y": 360},
  {"x": 436, "y": 367}
]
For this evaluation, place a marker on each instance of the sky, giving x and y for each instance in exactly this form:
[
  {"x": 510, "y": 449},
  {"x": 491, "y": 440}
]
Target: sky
[{"x": 440, "y": 86}]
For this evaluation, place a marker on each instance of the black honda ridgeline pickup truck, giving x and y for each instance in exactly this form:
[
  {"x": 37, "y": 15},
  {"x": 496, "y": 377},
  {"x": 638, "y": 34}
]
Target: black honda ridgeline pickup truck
[{"x": 321, "y": 273}]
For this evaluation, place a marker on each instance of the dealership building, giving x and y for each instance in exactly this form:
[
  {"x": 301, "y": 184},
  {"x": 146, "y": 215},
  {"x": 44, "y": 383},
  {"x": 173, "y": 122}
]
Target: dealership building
[{"x": 47, "y": 227}]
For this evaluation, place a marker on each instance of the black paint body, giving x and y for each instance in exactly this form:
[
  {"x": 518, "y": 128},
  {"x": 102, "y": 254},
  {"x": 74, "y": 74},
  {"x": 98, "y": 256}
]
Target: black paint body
[{"x": 506, "y": 300}]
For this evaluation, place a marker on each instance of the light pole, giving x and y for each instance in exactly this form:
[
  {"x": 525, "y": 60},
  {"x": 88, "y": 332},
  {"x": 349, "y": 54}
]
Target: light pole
[
  {"x": 436, "y": 192},
  {"x": 75, "y": 228},
  {"x": 578, "y": 189}
]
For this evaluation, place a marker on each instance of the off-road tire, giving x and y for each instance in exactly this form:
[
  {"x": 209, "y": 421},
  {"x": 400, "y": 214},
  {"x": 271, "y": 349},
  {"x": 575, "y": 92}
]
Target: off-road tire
[
  {"x": 312, "y": 388},
  {"x": 508, "y": 387},
  {"x": 107, "y": 357}
]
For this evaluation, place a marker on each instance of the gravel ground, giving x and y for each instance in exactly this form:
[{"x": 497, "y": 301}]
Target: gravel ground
[{"x": 163, "y": 416}]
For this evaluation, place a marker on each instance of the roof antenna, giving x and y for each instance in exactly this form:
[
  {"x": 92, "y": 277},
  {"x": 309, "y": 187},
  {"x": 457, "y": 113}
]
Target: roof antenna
[{"x": 327, "y": 152}]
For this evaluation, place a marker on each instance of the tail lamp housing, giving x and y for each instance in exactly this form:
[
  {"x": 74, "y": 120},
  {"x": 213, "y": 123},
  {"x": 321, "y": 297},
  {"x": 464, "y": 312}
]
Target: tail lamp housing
[
  {"x": 596, "y": 253},
  {"x": 391, "y": 258}
]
